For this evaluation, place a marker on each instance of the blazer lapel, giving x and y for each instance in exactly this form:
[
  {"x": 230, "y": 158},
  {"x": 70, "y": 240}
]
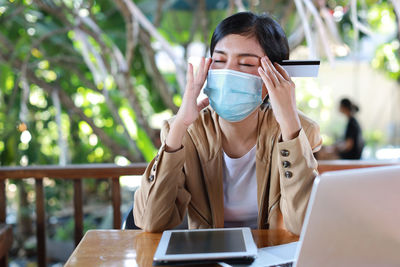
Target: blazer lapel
[
  {"x": 265, "y": 146},
  {"x": 210, "y": 155},
  {"x": 214, "y": 183}
]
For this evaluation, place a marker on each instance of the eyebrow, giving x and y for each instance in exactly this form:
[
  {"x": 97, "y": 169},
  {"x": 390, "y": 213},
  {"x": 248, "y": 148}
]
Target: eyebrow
[{"x": 240, "y": 55}]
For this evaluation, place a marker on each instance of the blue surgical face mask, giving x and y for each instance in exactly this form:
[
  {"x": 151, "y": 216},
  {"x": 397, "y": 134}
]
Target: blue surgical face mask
[{"x": 233, "y": 95}]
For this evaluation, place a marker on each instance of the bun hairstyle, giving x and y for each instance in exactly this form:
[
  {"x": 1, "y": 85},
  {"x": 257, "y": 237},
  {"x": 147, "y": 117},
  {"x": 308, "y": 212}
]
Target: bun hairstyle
[
  {"x": 347, "y": 104},
  {"x": 265, "y": 29}
]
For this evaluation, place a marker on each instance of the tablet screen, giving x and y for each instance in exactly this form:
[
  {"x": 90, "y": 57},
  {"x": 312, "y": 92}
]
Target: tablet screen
[{"x": 206, "y": 242}]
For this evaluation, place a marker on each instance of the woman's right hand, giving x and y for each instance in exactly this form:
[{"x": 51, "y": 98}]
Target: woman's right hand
[{"x": 189, "y": 110}]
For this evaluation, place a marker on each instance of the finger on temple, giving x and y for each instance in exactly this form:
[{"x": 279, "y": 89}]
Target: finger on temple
[
  {"x": 206, "y": 67},
  {"x": 270, "y": 70},
  {"x": 282, "y": 71},
  {"x": 265, "y": 78}
]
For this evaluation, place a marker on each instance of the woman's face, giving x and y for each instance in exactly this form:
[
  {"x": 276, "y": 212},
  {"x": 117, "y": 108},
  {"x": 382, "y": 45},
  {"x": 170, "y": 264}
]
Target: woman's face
[
  {"x": 240, "y": 53},
  {"x": 345, "y": 111},
  {"x": 237, "y": 52}
]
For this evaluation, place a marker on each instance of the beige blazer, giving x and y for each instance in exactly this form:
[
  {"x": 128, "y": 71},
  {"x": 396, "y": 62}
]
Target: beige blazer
[{"x": 190, "y": 179}]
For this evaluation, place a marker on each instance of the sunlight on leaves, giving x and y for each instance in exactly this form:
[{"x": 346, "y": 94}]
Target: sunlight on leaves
[
  {"x": 128, "y": 122},
  {"x": 44, "y": 64},
  {"x": 177, "y": 99},
  {"x": 37, "y": 97},
  {"x": 94, "y": 98},
  {"x": 2, "y": 10},
  {"x": 25, "y": 137},
  {"x": 121, "y": 161},
  {"x": 85, "y": 128},
  {"x": 36, "y": 53}
]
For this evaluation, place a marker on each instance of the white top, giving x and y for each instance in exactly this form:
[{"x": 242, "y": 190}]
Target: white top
[{"x": 240, "y": 190}]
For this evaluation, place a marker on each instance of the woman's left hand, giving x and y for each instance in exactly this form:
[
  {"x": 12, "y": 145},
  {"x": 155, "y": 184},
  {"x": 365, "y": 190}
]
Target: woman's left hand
[{"x": 281, "y": 90}]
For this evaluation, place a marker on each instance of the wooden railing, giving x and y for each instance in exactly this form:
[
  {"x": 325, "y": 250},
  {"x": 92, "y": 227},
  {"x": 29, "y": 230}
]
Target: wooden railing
[
  {"x": 97, "y": 171},
  {"x": 6, "y": 238},
  {"x": 70, "y": 172}
]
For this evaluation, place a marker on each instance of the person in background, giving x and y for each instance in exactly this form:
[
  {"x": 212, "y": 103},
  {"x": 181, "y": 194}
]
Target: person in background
[
  {"x": 353, "y": 143},
  {"x": 244, "y": 155}
]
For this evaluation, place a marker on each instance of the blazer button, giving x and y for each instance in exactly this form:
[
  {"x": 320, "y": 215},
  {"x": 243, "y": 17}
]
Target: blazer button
[
  {"x": 157, "y": 157},
  {"x": 151, "y": 178},
  {"x": 288, "y": 174},
  {"x": 286, "y": 164},
  {"x": 285, "y": 153},
  {"x": 154, "y": 167}
]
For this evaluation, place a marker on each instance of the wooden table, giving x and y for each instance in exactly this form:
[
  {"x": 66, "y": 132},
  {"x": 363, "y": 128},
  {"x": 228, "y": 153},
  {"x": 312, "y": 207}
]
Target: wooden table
[{"x": 137, "y": 248}]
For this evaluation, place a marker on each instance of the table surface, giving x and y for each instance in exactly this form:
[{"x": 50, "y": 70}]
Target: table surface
[{"x": 137, "y": 248}]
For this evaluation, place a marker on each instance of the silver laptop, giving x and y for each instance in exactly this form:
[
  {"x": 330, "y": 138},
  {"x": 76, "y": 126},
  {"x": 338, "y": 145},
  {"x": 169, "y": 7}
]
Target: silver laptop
[{"x": 352, "y": 219}]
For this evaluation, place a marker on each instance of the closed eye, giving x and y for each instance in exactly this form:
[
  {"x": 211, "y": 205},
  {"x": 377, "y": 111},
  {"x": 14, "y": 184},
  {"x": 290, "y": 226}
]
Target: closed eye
[
  {"x": 219, "y": 61},
  {"x": 247, "y": 65}
]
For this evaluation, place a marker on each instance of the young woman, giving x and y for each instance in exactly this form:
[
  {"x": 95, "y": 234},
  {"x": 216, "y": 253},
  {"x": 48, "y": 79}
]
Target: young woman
[
  {"x": 244, "y": 161},
  {"x": 353, "y": 143}
]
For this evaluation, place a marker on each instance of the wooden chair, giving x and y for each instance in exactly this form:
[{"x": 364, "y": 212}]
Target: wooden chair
[
  {"x": 6, "y": 239},
  {"x": 129, "y": 222}
]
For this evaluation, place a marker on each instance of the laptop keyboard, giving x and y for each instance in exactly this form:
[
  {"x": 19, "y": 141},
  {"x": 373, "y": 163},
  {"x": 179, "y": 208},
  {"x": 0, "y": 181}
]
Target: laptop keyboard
[
  {"x": 223, "y": 264},
  {"x": 289, "y": 264}
]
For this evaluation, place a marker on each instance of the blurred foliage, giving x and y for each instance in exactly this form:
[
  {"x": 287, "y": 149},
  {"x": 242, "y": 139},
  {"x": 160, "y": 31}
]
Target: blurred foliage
[
  {"x": 374, "y": 138},
  {"x": 387, "y": 57},
  {"x": 380, "y": 18},
  {"x": 58, "y": 60},
  {"x": 65, "y": 232}
]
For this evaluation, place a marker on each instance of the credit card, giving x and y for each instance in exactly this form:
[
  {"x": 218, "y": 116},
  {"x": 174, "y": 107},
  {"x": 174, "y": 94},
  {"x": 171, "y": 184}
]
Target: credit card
[{"x": 301, "y": 68}]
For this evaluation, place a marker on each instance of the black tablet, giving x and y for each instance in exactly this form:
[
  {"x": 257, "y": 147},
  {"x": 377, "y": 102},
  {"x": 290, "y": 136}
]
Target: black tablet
[{"x": 211, "y": 245}]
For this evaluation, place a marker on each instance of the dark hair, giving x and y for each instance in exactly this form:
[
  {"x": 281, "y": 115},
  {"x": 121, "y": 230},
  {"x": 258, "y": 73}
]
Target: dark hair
[
  {"x": 347, "y": 104},
  {"x": 268, "y": 32}
]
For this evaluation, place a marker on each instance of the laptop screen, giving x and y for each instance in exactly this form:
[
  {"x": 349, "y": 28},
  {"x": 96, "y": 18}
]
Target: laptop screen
[{"x": 206, "y": 242}]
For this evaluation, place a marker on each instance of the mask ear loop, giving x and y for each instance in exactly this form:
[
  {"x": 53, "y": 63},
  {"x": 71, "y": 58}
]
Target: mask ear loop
[
  {"x": 266, "y": 98},
  {"x": 265, "y": 102}
]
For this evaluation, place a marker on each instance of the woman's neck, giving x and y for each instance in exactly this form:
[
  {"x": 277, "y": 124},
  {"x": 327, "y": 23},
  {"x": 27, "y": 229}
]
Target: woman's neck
[{"x": 239, "y": 137}]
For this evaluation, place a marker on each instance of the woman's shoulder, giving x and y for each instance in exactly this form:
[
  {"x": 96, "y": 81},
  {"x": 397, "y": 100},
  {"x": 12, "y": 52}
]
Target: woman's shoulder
[
  {"x": 353, "y": 120},
  {"x": 206, "y": 124}
]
